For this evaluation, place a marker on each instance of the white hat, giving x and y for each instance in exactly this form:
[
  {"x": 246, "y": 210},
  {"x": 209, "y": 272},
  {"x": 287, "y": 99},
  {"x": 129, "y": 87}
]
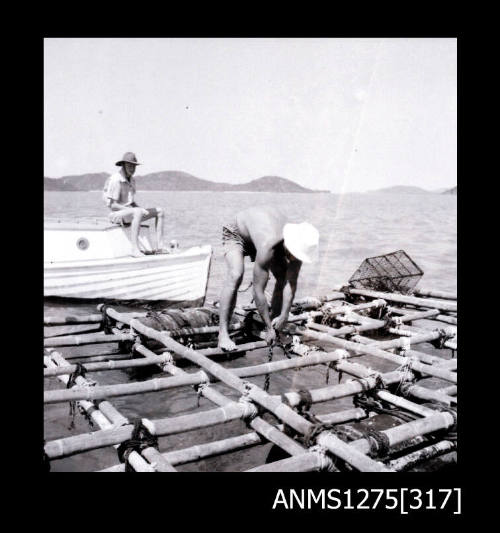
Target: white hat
[{"x": 302, "y": 241}]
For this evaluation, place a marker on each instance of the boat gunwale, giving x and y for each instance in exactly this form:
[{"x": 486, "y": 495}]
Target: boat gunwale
[{"x": 205, "y": 251}]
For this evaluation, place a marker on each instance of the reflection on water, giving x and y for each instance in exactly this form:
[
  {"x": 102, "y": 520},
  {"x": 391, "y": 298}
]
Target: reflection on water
[{"x": 352, "y": 227}]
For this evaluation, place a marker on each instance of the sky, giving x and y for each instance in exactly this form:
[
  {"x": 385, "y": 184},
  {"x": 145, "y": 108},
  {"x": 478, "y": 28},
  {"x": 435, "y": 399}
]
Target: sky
[{"x": 346, "y": 115}]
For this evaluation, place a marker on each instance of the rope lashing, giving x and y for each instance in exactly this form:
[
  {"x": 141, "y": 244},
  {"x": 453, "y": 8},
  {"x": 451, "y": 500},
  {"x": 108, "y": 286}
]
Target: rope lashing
[
  {"x": 327, "y": 376},
  {"x": 107, "y": 324},
  {"x": 251, "y": 410},
  {"x": 286, "y": 351},
  {"x": 383, "y": 313},
  {"x": 267, "y": 378},
  {"x": 169, "y": 360},
  {"x": 317, "y": 427},
  {"x": 305, "y": 401},
  {"x": 334, "y": 364},
  {"x": 309, "y": 438},
  {"x": 199, "y": 389},
  {"x": 141, "y": 438},
  {"x": 79, "y": 371},
  {"x": 446, "y": 334},
  {"x": 327, "y": 464},
  {"x": 408, "y": 374},
  {"x": 379, "y": 442},
  {"x": 367, "y": 401}
]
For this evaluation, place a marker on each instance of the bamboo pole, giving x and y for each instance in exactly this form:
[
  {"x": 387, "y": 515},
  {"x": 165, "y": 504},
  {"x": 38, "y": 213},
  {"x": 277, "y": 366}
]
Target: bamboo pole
[
  {"x": 432, "y": 314},
  {"x": 377, "y": 352},
  {"x": 451, "y": 390},
  {"x": 81, "y": 340},
  {"x": 107, "y": 365},
  {"x": 413, "y": 331},
  {"x": 312, "y": 461},
  {"x": 398, "y": 434},
  {"x": 422, "y": 393},
  {"x": 424, "y": 454},
  {"x": 146, "y": 361},
  {"x": 72, "y": 320},
  {"x": 116, "y": 355},
  {"x": 334, "y": 392},
  {"x": 414, "y": 315},
  {"x": 447, "y": 319},
  {"x": 436, "y": 294},
  {"x": 347, "y": 330},
  {"x": 450, "y": 364},
  {"x": 421, "y": 302},
  {"x": 422, "y": 356},
  {"x": 405, "y": 404},
  {"x": 91, "y": 328},
  {"x": 123, "y": 389}
]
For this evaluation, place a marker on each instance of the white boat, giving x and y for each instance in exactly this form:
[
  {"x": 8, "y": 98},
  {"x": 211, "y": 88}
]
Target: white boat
[{"x": 91, "y": 260}]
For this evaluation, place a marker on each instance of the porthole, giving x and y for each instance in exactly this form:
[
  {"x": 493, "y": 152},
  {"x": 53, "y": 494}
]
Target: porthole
[{"x": 82, "y": 243}]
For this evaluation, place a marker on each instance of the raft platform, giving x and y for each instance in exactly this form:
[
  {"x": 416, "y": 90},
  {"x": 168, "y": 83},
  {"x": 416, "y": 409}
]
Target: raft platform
[{"x": 384, "y": 397}]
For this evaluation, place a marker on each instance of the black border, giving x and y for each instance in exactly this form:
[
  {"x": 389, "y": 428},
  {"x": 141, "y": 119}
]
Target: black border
[{"x": 210, "y": 493}]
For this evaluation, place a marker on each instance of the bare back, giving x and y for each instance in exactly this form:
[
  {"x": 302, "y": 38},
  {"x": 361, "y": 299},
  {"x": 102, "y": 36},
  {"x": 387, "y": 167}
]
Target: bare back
[{"x": 263, "y": 227}]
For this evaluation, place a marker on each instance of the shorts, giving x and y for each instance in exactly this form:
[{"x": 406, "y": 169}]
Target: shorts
[
  {"x": 123, "y": 219},
  {"x": 231, "y": 237}
]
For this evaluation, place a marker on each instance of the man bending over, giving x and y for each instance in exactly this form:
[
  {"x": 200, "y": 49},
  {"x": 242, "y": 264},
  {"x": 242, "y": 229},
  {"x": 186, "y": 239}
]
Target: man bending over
[{"x": 274, "y": 246}]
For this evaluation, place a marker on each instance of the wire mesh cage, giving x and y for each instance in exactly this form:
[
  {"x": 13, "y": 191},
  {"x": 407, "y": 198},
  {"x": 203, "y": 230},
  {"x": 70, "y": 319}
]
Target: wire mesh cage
[{"x": 394, "y": 272}]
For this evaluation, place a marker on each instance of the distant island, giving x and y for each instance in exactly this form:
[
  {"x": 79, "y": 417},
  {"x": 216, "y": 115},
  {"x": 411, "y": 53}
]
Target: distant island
[
  {"x": 408, "y": 189},
  {"x": 175, "y": 180}
]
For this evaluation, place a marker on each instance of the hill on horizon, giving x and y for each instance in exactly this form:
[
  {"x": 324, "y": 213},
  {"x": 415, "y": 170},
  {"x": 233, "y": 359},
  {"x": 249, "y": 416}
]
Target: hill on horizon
[
  {"x": 174, "y": 180},
  {"x": 407, "y": 189}
]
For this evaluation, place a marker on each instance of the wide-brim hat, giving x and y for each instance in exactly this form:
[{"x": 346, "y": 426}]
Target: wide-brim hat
[
  {"x": 128, "y": 157},
  {"x": 302, "y": 241}
]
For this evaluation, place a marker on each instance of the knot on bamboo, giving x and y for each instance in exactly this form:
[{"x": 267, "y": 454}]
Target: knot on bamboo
[
  {"x": 168, "y": 359},
  {"x": 107, "y": 323},
  {"x": 405, "y": 389},
  {"x": 326, "y": 464},
  {"x": 445, "y": 334},
  {"x": 141, "y": 439},
  {"x": 79, "y": 371},
  {"x": 329, "y": 314},
  {"x": 378, "y": 441},
  {"x": 405, "y": 345},
  {"x": 251, "y": 410}
]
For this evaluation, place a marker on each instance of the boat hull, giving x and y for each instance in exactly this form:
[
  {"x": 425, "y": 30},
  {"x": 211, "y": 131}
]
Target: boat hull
[
  {"x": 179, "y": 277},
  {"x": 84, "y": 272}
]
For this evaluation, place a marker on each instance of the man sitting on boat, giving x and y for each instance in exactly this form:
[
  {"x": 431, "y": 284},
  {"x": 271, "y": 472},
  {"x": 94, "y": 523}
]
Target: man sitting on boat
[
  {"x": 275, "y": 245},
  {"x": 119, "y": 195}
]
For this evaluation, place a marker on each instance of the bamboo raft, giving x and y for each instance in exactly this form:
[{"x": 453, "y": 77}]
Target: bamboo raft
[{"x": 384, "y": 398}]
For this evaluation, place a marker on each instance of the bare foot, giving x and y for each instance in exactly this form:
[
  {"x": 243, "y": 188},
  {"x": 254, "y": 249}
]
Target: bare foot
[
  {"x": 226, "y": 344},
  {"x": 136, "y": 253}
]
